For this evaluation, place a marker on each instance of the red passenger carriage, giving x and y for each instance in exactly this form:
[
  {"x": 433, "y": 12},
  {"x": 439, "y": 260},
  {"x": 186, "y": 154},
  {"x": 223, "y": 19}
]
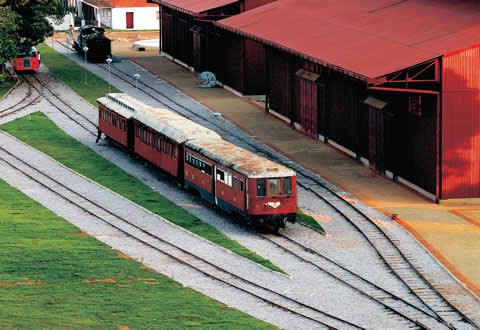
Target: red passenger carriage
[
  {"x": 241, "y": 182},
  {"x": 236, "y": 180},
  {"x": 160, "y": 135},
  {"x": 114, "y": 112}
]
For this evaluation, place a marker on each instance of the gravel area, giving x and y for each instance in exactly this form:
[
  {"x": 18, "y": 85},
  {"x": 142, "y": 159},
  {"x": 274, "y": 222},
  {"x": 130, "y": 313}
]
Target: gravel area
[
  {"x": 341, "y": 244},
  {"x": 17, "y": 103},
  {"x": 299, "y": 287}
]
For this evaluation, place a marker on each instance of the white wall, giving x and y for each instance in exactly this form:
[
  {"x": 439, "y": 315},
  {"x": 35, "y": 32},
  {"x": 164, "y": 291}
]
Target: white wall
[
  {"x": 143, "y": 18},
  {"x": 63, "y": 24},
  {"x": 105, "y": 16}
]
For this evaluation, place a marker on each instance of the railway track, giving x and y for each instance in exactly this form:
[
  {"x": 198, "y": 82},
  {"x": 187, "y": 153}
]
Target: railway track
[
  {"x": 62, "y": 106},
  {"x": 394, "y": 259},
  {"x": 392, "y": 256},
  {"x": 422, "y": 316},
  {"x": 189, "y": 259},
  {"x": 25, "y": 101}
]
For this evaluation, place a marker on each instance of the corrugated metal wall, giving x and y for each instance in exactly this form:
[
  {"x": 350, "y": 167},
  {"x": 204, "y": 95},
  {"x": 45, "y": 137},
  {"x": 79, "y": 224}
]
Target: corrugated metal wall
[
  {"x": 461, "y": 125},
  {"x": 236, "y": 61},
  {"x": 409, "y": 140},
  {"x": 347, "y": 118},
  {"x": 225, "y": 57},
  {"x": 177, "y": 39},
  {"x": 340, "y": 116},
  {"x": 254, "y": 68},
  {"x": 279, "y": 84}
]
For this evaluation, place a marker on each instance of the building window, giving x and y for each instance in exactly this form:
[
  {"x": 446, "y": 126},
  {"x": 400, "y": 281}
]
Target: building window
[{"x": 158, "y": 15}]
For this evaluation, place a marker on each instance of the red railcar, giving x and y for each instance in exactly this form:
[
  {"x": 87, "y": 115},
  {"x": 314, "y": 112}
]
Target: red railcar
[
  {"x": 236, "y": 180},
  {"x": 27, "y": 61},
  {"x": 160, "y": 135},
  {"x": 114, "y": 113},
  {"x": 241, "y": 182}
]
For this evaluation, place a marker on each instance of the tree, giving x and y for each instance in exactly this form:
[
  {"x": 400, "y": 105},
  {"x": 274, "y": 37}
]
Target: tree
[
  {"x": 32, "y": 23},
  {"x": 8, "y": 35}
]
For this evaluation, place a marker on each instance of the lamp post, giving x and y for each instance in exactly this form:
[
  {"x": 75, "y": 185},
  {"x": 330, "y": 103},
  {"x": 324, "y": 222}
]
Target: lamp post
[
  {"x": 109, "y": 61},
  {"x": 136, "y": 76},
  {"x": 217, "y": 115},
  {"x": 85, "y": 50}
]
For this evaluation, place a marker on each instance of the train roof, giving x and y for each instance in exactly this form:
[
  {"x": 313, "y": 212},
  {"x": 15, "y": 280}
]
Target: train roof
[
  {"x": 173, "y": 125},
  {"x": 239, "y": 159},
  {"x": 121, "y": 103}
]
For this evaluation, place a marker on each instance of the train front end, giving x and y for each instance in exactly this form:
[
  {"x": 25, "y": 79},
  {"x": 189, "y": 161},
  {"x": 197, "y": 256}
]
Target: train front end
[{"x": 272, "y": 200}]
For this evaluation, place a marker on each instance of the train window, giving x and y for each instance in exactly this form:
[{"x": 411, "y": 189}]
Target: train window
[
  {"x": 234, "y": 182},
  {"x": 208, "y": 169},
  {"x": 197, "y": 163},
  {"x": 261, "y": 187},
  {"x": 241, "y": 185},
  {"x": 287, "y": 186},
  {"x": 220, "y": 175},
  {"x": 274, "y": 187}
]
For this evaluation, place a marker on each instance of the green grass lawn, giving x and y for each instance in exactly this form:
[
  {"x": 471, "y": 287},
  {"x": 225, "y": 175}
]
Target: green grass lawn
[
  {"x": 73, "y": 75},
  {"x": 6, "y": 85},
  {"x": 310, "y": 221},
  {"x": 39, "y": 132},
  {"x": 52, "y": 276}
]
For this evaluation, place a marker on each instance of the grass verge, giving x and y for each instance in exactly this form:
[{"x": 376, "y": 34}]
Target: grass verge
[
  {"x": 310, "y": 221},
  {"x": 73, "y": 75},
  {"x": 6, "y": 85},
  {"x": 39, "y": 132},
  {"x": 54, "y": 277}
]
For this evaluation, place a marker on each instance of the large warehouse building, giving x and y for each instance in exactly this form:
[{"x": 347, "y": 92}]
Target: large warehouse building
[{"x": 395, "y": 84}]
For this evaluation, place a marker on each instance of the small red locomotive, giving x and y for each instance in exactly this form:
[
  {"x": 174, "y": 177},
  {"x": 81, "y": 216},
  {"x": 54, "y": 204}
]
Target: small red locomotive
[
  {"x": 237, "y": 181},
  {"x": 28, "y": 60}
]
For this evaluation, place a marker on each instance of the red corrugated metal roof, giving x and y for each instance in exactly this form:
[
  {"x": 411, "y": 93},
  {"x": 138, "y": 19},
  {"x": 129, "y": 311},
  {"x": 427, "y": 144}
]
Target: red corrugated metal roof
[
  {"x": 194, "y": 7},
  {"x": 368, "y": 38}
]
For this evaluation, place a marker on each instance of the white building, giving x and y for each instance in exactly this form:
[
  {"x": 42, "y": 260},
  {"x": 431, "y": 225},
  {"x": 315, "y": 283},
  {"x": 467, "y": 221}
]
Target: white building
[{"x": 120, "y": 14}]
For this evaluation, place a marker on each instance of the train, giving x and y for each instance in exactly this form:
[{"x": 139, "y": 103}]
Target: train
[
  {"x": 27, "y": 60},
  {"x": 254, "y": 189},
  {"x": 98, "y": 45}
]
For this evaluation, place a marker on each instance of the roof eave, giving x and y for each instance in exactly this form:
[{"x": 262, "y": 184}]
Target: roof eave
[{"x": 294, "y": 52}]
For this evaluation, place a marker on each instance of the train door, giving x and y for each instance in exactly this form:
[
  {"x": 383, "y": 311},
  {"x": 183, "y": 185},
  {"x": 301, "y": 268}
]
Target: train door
[
  {"x": 129, "y": 17},
  {"x": 214, "y": 184}
]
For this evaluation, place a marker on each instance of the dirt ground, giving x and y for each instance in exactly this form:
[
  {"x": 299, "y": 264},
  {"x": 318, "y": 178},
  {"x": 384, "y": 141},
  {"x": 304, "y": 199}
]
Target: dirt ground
[{"x": 122, "y": 43}]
